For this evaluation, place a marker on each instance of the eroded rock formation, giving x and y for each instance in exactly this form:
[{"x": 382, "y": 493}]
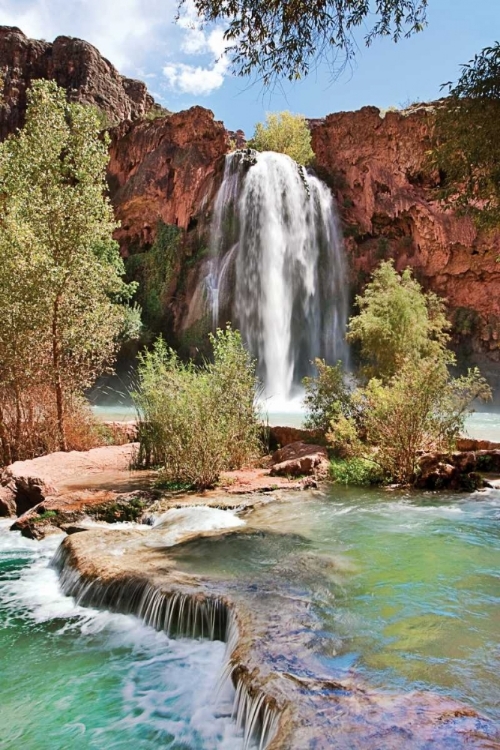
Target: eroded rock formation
[
  {"x": 285, "y": 697},
  {"x": 380, "y": 172},
  {"x": 75, "y": 65},
  {"x": 168, "y": 169},
  {"x": 163, "y": 171}
]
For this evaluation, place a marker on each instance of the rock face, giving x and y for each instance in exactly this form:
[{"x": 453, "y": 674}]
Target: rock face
[
  {"x": 168, "y": 169},
  {"x": 164, "y": 170},
  {"x": 75, "y": 65},
  {"x": 300, "y": 459},
  {"x": 25, "y": 484},
  {"x": 287, "y": 695},
  {"x": 379, "y": 170}
]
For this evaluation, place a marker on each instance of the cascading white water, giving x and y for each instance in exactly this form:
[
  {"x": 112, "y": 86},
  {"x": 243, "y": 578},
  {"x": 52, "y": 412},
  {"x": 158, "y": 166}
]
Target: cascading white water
[{"x": 277, "y": 269}]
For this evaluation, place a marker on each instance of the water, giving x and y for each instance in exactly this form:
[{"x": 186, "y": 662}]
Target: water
[
  {"x": 278, "y": 269},
  {"x": 290, "y": 413},
  {"x": 79, "y": 678},
  {"x": 407, "y": 587}
]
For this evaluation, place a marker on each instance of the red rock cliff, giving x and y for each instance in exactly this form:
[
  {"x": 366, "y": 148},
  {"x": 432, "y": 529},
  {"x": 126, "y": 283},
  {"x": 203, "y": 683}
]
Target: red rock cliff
[
  {"x": 164, "y": 170},
  {"x": 75, "y": 65},
  {"x": 378, "y": 167}
]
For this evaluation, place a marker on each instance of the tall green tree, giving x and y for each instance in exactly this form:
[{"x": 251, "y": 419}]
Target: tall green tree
[
  {"x": 410, "y": 402},
  {"x": 274, "y": 39},
  {"x": 61, "y": 286}
]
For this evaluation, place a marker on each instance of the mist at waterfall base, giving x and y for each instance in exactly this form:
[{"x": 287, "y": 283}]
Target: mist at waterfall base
[{"x": 277, "y": 270}]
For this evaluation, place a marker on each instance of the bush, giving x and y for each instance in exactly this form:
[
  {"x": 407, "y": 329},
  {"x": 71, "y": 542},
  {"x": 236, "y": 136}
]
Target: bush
[
  {"x": 327, "y": 396},
  {"x": 420, "y": 409},
  {"x": 285, "y": 133},
  {"x": 397, "y": 320},
  {"x": 29, "y": 427},
  {"x": 359, "y": 472},
  {"x": 196, "y": 422},
  {"x": 155, "y": 270},
  {"x": 410, "y": 404}
]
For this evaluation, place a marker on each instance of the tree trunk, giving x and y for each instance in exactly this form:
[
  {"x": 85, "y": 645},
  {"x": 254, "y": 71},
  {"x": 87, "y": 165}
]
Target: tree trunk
[{"x": 56, "y": 364}]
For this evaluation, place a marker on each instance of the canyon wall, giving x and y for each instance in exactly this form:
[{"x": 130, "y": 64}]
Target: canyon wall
[
  {"x": 379, "y": 169},
  {"x": 167, "y": 169},
  {"x": 75, "y": 65}
]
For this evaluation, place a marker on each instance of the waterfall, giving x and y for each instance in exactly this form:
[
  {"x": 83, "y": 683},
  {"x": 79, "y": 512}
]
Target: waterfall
[{"x": 277, "y": 269}]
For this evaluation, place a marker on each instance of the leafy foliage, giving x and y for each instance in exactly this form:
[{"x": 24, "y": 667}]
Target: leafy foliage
[
  {"x": 198, "y": 421},
  {"x": 467, "y": 139},
  {"x": 359, "y": 472},
  {"x": 397, "y": 321},
  {"x": 154, "y": 270},
  {"x": 285, "y": 133},
  {"x": 275, "y": 39},
  {"x": 61, "y": 287},
  {"x": 421, "y": 408},
  {"x": 410, "y": 403},
  {"x": 327, "y": 396}
]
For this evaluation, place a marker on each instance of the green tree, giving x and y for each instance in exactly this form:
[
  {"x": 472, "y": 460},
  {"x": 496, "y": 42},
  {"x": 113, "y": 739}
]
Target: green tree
[
  {"x": 420, "y": 409},
  {"x": 62, "y": 325},
  {"x": 410, "y": 403},
  {"x": 397, "y": 321},
  {"x": 467, "y": 140},
  {"x": 285, "y": 133},
  {"x": 275, "y": 39}
]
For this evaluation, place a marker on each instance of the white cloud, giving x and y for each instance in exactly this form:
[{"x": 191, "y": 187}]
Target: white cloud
[
  {"x": 134, "y": 35},
  {"x": 122, "y": 30},
  {"x": 194, "y": 79},
  {"x": 189, "y": 78}
]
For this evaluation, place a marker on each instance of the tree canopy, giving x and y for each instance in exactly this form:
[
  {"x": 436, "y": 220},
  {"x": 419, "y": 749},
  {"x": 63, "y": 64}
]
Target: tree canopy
[
  {"x": 276, "y": 39},
  {"x": 285, "y": 133},
  {"x": 397, "y": 322},
  {"x": 467, "y": 139}
]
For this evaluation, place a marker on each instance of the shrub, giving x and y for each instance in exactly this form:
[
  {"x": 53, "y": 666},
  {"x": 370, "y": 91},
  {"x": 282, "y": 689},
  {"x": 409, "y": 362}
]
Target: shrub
[
  {"x": 285, "y": 133},
  {"x": 420, "y": 409},
  {"x": 327, "y": 396},
  {"x": 411, "y": 403},
  {"x": 397, "y": 320},
  {"x": 155, "y": 269},
  {"x": 355, "y": 471},
  {"x": 196, "y": 422}
]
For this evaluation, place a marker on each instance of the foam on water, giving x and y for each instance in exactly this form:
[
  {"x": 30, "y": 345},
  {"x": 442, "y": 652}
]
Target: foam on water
[
  {"x": 177, "y": 522},
  {"x": 143, "y": 680}
]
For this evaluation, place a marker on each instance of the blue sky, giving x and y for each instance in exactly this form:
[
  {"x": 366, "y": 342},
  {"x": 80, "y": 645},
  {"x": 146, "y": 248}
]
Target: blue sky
[{"x": 183, "y": 65}]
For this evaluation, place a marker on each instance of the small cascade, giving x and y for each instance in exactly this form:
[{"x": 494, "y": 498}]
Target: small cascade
[
  {"x": 277, "y": 269},
  {"x": 191, "y": 615}
]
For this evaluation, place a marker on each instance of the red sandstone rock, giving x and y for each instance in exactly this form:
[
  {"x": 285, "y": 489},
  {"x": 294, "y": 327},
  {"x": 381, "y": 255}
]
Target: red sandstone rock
[
  {"x": 31, "y": 482},
  {"x": 75, "y": 65},
  {"x": 164, "y": 169},
  {"x": 378, "y": 168},
  {"x": 300, "y": 459}
]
